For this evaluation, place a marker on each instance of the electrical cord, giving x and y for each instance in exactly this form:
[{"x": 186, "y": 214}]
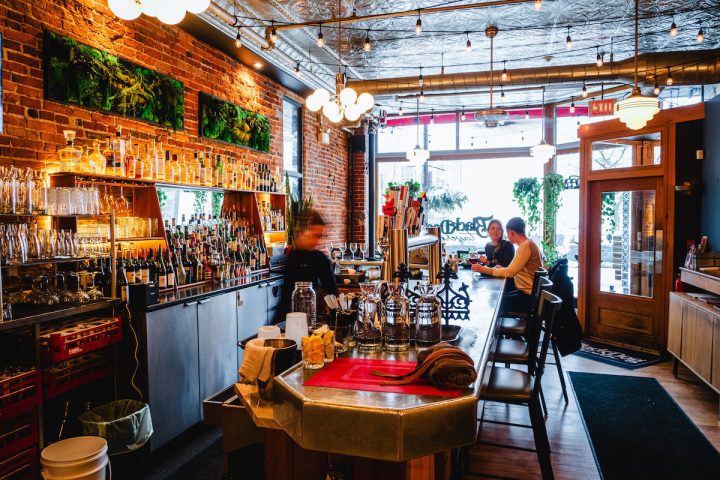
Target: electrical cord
[{"x": 135, "y": 352}]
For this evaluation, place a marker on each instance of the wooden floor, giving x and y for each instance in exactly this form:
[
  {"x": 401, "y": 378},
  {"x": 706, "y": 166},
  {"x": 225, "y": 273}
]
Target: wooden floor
[{"x": 572, "y": 457}]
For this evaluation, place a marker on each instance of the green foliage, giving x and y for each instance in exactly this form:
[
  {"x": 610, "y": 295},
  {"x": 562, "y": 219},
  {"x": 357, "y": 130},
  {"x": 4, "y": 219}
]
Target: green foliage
[
  {"x": 79, "y": 74},
  {"x": 445, "y": 199},
  {"x": 413, "y": 187},
  {"x": 217, "y": 201},
  {"x": 553, "y": 185},
  {"x": 526, "y": 193},
  {"x": 199, "y": 200},
  {"x": 162, "y": 197},
  {"x": 607, "y": 213},
  {"x": 224, "y": 121}
]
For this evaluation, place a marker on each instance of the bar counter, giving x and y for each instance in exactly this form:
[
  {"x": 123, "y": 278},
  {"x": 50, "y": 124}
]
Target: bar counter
[{"x": 390, "y": 426}]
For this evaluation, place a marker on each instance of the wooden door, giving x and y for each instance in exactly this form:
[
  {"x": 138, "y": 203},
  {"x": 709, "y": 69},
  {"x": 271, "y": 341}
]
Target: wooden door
[{"x": 625, "y": 296}]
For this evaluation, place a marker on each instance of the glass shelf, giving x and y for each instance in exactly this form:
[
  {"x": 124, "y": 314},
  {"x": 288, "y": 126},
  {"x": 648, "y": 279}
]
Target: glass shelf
[{"x": 50, "y": 261}]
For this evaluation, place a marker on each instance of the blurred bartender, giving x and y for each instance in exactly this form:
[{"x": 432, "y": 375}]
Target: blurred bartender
[{"x": 305, "y": 263}]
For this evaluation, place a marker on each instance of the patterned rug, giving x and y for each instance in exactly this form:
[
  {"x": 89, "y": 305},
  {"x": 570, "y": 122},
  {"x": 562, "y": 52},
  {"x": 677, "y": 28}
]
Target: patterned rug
[{"x": 617, "y": 357}]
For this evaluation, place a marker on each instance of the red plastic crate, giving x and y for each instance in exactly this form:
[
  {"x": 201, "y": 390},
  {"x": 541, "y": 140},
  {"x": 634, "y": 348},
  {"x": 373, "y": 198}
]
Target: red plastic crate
[
  {"x": 80, "y": 338},
  {"x": 20, "y": 466},
  {"x": 19, "y": 393},
  {"x": 74, "y": 373},
  {"x": 18, "y": 433}
]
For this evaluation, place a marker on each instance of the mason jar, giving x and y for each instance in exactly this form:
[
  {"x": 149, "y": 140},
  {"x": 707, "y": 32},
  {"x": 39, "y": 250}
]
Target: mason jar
[{"x": 304, "y": 300}]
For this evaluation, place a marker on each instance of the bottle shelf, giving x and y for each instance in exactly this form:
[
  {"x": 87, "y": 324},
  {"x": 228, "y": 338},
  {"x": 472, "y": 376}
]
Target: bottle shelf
[
  {"x": 58, "y": 312},
  {"x": 52, "y": 261},
  {"x": 140, "y": 239}
]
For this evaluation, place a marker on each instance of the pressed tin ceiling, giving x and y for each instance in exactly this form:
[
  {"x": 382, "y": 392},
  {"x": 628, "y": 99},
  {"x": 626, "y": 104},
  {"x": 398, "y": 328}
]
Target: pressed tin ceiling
[{"x": 527, "y": 38}]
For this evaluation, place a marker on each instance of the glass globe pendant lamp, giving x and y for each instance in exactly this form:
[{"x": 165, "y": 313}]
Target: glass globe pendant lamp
[{"x": 126, "y": 9}]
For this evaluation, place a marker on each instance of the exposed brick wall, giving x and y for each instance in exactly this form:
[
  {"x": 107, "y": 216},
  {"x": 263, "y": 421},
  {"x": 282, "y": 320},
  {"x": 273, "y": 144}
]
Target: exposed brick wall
[
  {"x": 357, "y": 191},
  {"x": 33, "y": 126}
]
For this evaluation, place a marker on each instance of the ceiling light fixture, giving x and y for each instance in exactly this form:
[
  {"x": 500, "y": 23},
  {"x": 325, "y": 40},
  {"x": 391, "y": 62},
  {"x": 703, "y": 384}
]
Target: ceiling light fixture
[
  {"x": 538, "y": 5},
  {"x": 126, "y": 9},
  {"x": 572, "y": 104},
  {"x": 468, "y": 45},
  {"x": 462, "y": 115},
  {"x": 421, "y": 82},
  {"x": 238, "y": 39},
  {"x": 169, "y": 12},
  {"x": 400, "y": 110},
  {"x": 298, "y": 72},
  {"x": 504, "y": 75},
  {"x": 636, "y": 110},
  {"x": 599, "y": 59},
  {"x": 502, "y": 92},
  {"x": 273, "y": 33},
  {"x": 367, "y": 45},
  {"x": 656, "y": 90},
  {"x": 527, "y": 114},
  {"x": 492, "y": 117},
  {"x": 258, "y": 65},
  {"x": 543, "y": 151},
  {"x": 584, "y": 91},
  {"x": 669, "y": 80},
  {"x": 418, "y": 25},
  {"x": 422, "y": 93},
  {"x": 320, "y": 38},
  {"x": 673, "y": 28},
  {"x": 700, "y": 36},
  {"x": 417, "y": 155},
  {"x": 568, "y": 40},
  {"x": 432, "y": 116},
  {"x": 197, "y": 6},
  {"x": 345, "y": 103}
]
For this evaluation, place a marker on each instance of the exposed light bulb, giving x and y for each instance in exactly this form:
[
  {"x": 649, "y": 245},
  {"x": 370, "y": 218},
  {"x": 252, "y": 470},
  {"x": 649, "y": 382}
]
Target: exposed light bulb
[
  {"x": 572, "y": 106},
  {"x": 298, "y": 72},
  {"x": 599, "y": 59},
  {"x": 568, "y": 40},
  {"x": 701, "y": 36},
  {"x": 462, "y": 115},
  {"x": 538, "y": 5},
  {"x": 527, "y": 114},
  {"x": 502, "y": 92},
  {"x": 422, "y": 93},
  {"x": 320, "y": 38},
  {"x": 238, "y": 40},
  {"x": 468, "y": 44},
  {"x": 170, "y": 13},
  {"x": 197, "y": 6},
  {"x": 400, "y": 110},
  {"x": 673, "y": 28},
  {"x": 367, "y": 46},
  {"x": 421, "y": 81},
  {"x": 656, "y": 91},
  {"x": 669, "y": 80},
  {"x": 432, "y": 117},
  {"x": 273, "y": 35},
  {"x": 504, "y": 75},
  {"x": 584, "y": 91},
  {"x": 418, "y": 25},
  {"x": 126, "y": 9}
]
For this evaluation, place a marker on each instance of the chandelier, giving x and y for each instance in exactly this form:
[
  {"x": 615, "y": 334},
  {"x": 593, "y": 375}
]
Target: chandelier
[
  {"x": 417, "y": 155},
  {"x": 167, "y": 11},
  {"x": 543, "y": 150},
  {"x": 491, "y": 117},
  {"x": 638, "y": 109}
]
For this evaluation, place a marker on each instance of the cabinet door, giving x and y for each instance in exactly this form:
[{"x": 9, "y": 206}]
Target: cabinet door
[
  {"x": 217, "y": 344},
  {"x": 715, "y": 379},
  {"x": 675, "y": 320},
  {"x": 274, "y": 295},
  {"x": 172, "y": 370},
  {"x": 697, "y": 339},
  {"x": 251, "y": 312}
]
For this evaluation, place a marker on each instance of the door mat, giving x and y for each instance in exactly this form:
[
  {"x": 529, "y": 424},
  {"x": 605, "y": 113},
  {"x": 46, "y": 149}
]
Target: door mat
[{"x": 617, "y": 357}]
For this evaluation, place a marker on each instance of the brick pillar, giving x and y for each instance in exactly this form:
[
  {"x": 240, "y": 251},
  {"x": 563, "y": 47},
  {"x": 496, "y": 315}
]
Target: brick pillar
[{"x": 357, "y": 188}]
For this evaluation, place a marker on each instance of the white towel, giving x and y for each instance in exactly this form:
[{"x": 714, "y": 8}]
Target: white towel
[{"x": 257, "y": 362}]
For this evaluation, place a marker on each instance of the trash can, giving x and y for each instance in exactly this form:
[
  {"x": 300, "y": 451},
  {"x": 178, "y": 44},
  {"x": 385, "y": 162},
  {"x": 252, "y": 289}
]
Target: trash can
[{"x": 127, "y": 426}]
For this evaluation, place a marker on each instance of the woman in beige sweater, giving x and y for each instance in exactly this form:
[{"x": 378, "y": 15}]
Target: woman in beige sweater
[{"x": 521, "y": 270}]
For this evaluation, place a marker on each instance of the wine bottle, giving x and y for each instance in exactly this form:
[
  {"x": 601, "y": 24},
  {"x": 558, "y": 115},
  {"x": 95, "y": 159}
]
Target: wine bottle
[
  {"x": 129, "y": 267},
  {"x": 144, "y": 270},
  {"x": 162, "y": 272},
  {"x": 122, "y": 285},
  {"x": 171, "y": 280},
  {"x": 151, "y": 266}
]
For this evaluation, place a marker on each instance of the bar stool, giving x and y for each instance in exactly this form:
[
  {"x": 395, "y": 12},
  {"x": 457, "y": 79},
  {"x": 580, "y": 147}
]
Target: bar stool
[
  {"x": 514, "y": 324},
  {"x": 516, "y": 387}
]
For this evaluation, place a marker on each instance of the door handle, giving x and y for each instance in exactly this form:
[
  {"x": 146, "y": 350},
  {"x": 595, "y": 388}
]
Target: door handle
[
  {"x": 240, "y": 302},
  {"x": 189, "y": 304},
  {"x": 202, "y": 302},
  {"x": 658, "y": 252}
]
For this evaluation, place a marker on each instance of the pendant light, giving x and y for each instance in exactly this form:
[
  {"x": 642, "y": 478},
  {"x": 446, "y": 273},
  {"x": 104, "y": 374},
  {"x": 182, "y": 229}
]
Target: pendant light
[
  {"x": 543, "y": 151},
  {"x": 367, "y": 45},
  {"x": 126, "y": 9},
  {"x": 568, "y": 40},
  {"x": 636, "y": 110},
  {"x": 492, "y": 117},
  {"x": 197, "y": 6},
  {"x": 417, "y": 155}
]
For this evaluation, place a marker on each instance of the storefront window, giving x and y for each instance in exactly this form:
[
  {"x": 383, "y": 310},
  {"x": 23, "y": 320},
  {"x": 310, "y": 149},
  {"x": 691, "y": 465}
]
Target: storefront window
[
  {"x": 292, "y": 146},
  {"x": 442, "y": 136},
  {"x": 398, "y": 139},
  {"x": 517, "y": 132},
  {"x": 567, "y": 220}
]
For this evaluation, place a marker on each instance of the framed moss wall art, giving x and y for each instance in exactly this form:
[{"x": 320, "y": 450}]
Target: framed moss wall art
[
  {"x": 220, "y": 120},
  {"x": 78, "y": 74}
]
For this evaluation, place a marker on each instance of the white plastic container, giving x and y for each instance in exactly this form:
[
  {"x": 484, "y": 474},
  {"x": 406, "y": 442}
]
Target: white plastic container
[{"x": 78, "y": 458}]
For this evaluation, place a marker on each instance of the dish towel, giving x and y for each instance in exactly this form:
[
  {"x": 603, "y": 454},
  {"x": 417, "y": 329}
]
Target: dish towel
[
  {"x": 443, "y": 365},
  {"x": 258, "y": 362}
]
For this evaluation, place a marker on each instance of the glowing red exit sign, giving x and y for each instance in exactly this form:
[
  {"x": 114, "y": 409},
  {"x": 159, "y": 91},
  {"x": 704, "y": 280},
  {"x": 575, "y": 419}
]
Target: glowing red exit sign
[{"x": 601, "y": 108}]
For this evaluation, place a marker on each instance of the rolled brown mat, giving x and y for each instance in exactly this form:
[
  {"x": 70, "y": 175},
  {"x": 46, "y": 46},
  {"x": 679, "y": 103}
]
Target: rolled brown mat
[{"x": 443, "y": 365}]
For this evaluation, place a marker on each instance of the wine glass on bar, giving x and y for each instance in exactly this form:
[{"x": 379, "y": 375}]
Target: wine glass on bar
[
  {"x": 364, "y": 249},
  {"x": 353, "y": 249},
  {"x": 343, "y": 247}
]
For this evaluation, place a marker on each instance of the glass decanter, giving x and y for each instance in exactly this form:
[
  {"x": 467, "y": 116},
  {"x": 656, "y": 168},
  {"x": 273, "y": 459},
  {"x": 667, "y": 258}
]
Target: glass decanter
[
  {"x": 96, "y": 161},
  {"x": 428, "y": 316},
  {"x": 70, "y": 156},
  {"x": 304, "y": 300},
  {"x": 396, "y": 319},
  {"x": 368, "y": 327},
  {"x": 39, "y": 192}
]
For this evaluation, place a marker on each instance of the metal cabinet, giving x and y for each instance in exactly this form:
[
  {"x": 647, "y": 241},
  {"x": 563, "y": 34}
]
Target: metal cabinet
[
  {"x": 217, "y": 342},
  {"x": 274, "y": 295},
  {"x": 172, "y": 371},
  {"x": 251, "y": 312}
]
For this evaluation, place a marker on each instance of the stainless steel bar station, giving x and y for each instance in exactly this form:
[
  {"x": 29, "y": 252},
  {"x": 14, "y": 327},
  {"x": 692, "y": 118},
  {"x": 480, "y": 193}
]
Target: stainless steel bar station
[{"x": 359, "y": 239}]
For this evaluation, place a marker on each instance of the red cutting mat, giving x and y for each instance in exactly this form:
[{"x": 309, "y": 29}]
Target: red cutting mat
[{"x": 354, "y": 374}]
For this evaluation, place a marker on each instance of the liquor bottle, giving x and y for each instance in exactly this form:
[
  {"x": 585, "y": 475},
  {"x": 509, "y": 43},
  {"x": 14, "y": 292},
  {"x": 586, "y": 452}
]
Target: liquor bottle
[
  {"x": 144, "y": 270},
  {"x": 177, "y": 266},
  {"x": 218, "y": 171},
  {"x": 197, "y": 269},
  {"x": 128, "y": 160},
  {"x": 139, "y": 167},
  {"x": 122, "y": 285},
  {"x": 168, "y": 171},
  {"x": 187, "y": 265},
  {"x": 151, "y": 266},
  {"x": 109, "y": 154},
  {"x": 119, "y": 149},
  {"x": 129, "y": 268},
  {"x": 162, "y": 272}
]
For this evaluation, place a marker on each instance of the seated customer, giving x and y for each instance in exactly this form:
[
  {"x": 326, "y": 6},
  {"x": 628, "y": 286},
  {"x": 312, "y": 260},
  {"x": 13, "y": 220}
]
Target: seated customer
[
  {"x": 522, "y": 268},
  {"x": 498, "y": 251}
]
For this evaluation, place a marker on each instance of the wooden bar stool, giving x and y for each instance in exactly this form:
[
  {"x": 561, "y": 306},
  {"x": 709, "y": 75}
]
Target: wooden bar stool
[
  {"x": 514, "y": 324},
  {"x": 516, "y": 387}
]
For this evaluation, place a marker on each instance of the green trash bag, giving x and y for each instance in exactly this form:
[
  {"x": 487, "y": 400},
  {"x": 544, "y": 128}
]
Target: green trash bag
[{"x": 125, "y": 424}]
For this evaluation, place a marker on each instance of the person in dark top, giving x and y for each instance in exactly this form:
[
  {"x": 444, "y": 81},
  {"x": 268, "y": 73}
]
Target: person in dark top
[
  {"x": 305, "y": 263},
  {"x": 498, "y": 251}
]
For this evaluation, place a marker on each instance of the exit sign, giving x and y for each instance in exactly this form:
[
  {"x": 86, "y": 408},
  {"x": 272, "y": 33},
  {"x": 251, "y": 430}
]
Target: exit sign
[{"x": 601, "y": 108}]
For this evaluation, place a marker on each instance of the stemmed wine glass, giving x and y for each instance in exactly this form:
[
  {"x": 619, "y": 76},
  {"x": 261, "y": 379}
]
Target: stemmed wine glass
[
  {"x": 353, "y": 249},
  {"x": 343, "y": 247},
  {"x": 364, "y": 249},
  {"x": 329, "y": 248}
]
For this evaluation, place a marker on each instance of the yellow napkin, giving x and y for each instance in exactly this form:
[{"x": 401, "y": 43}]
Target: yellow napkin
[{"x": 257, "y": 362}]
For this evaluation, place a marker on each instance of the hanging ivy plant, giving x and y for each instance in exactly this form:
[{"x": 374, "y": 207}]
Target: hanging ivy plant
[
  {"x": 607, "y": 212},
  {"x": 526, "y": 193},
  {"x": 553, "y": 185}
]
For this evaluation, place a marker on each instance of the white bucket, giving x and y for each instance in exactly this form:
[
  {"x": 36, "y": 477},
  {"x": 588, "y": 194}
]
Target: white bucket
[{"x": 79, "y": 458}]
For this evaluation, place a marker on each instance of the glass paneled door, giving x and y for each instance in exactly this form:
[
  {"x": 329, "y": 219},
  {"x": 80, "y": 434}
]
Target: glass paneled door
[{"x": 625, "y": 225}]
